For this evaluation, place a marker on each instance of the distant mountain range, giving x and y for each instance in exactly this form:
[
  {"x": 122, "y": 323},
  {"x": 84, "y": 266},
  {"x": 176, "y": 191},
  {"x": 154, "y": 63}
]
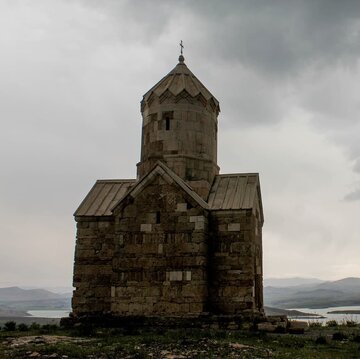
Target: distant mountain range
[
  {"x": 343, "y": 292},
  {"x": 284, "y": 293},
  {"x": 290, "y": 282},
  {"x": 17, "y": 300},
  {"x": 292, "y": 313},
  {"x": 18, "y": 294},
  {"x": 57, "y": 290}
]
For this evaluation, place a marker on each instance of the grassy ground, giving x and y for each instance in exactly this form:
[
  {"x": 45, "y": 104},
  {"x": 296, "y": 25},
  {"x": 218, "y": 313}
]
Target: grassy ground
[{"x": 84, "y": 342}]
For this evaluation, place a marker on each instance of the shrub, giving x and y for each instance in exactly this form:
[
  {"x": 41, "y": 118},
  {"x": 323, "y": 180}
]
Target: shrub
[
  {"x": 321, "y": 340},
  {"x": 48, "y": 328},
  {"x": 315, "y": 324},
  {"x": 350, "y": 323},
  {"x": 84, "y": 330},
  {"x": 356, "y": 339},
  {"x": 22, "y": 327},
  {"x": 34, "y": 326},
  {"x": 332, "y": 323},
  {"x": 339, "y": 336},
  {"x": 10, "y": 326},
  {"x": 280, "y": 329}
]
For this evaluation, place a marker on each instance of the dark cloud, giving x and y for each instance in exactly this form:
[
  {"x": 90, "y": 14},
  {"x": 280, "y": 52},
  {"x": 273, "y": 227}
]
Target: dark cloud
[
  {"x": 270, "y": 47},
  {"x": 73, "y": 74},
  {"x": 280, "y": 38}
]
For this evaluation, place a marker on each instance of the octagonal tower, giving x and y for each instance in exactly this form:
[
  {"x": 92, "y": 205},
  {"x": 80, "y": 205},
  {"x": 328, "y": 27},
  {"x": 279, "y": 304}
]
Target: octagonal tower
[{"x": 179, "y": 128}]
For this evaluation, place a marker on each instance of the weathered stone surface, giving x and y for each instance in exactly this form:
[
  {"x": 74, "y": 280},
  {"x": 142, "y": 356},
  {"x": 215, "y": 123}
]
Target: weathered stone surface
[
  {"x": 266, "y": 327},
  {"x": 297, "y": 327},
  {"x": 162, "y": 250}
]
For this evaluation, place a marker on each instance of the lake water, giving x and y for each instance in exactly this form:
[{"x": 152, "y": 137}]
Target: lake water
[
  {"x": 340, "y": 318},
  {"x": 49, "y": 313}
]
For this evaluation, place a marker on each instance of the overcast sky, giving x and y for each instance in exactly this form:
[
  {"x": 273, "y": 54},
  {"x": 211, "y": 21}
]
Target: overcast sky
[{"x": 286, "y": 74}]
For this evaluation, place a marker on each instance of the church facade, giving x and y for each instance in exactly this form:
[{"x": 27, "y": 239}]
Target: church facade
[{"x": 181, "y": 240}]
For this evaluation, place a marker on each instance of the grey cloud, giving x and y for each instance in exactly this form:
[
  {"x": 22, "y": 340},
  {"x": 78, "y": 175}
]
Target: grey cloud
[
  {"x": 135, "y": 20},
  {"x": 73, "y": 74},
  {"x": 353, "y": 196},
  {"x": 280, "y": 38},
  {"x": 357, "y": 165},
  {"x": 347, "y": 136},
  {"x": 253, "y": 107}
]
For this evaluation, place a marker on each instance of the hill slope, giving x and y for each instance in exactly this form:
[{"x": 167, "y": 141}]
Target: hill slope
[
  {"x": 11, "y": 294},
  {"x": 291, "y": 282},
  {"x": 15, "y": 299},
  {"x": 344, "y": 292}
]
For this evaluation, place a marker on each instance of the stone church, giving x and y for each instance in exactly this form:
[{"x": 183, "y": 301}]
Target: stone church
[{"x": 182, "y": 239}]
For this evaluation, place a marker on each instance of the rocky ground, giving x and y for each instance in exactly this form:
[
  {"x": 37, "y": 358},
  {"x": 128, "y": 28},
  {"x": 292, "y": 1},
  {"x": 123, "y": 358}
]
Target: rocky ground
[
  {"x": 319, "y": 343},
  {"x": 203, "y": 348}
]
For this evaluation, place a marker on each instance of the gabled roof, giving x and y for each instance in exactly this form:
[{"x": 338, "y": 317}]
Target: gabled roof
[
  {"x": 102, "y": 197},
  {"x": 168, "y": 175},
  {"x": 229, "y": 192},
  {"x": 178, "y": 80},
  {"x": 235, "y": 191}
]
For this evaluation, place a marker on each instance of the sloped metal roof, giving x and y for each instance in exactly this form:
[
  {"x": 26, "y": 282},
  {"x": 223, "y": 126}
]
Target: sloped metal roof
[
  {"x": 234, "y": 191},
  {"x": 102, "y": 197},
  {"x": 229, "y": 192},
  {"x": 181, "y": 79}
]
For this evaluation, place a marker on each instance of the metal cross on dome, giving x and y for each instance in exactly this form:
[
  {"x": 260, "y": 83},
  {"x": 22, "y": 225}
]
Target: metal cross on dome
[{"x": 181, "y": 47}]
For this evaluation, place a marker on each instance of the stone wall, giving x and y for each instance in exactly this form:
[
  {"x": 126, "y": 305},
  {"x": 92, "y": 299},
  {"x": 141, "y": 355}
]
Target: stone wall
[
  {"x": 235, "y": 262},
  {"x": 183, "y": 135},
  {"x": 160, "y": 259},
  {"x": 157, "y": 257},
  {"x": 163, "y": 251},
  {"x": 94, "y": 252}
]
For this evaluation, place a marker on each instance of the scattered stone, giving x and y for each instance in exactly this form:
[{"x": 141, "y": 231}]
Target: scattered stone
[
  {"x": 39, "y": 340},
  {"x": 266, "y": 327},
  {"x": 281, "y": 325},
  {"x": 275, "y": 319},
  {"x": 178, "y": 349},
  {"x": 239, "y": 346},
  {"x": 165, "y": 352},
  {"x": 297, "y": 327}
]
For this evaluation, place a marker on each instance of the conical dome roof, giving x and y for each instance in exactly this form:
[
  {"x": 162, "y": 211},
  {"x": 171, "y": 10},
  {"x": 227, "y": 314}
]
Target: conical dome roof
[{"x": 180, "y": 79}]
